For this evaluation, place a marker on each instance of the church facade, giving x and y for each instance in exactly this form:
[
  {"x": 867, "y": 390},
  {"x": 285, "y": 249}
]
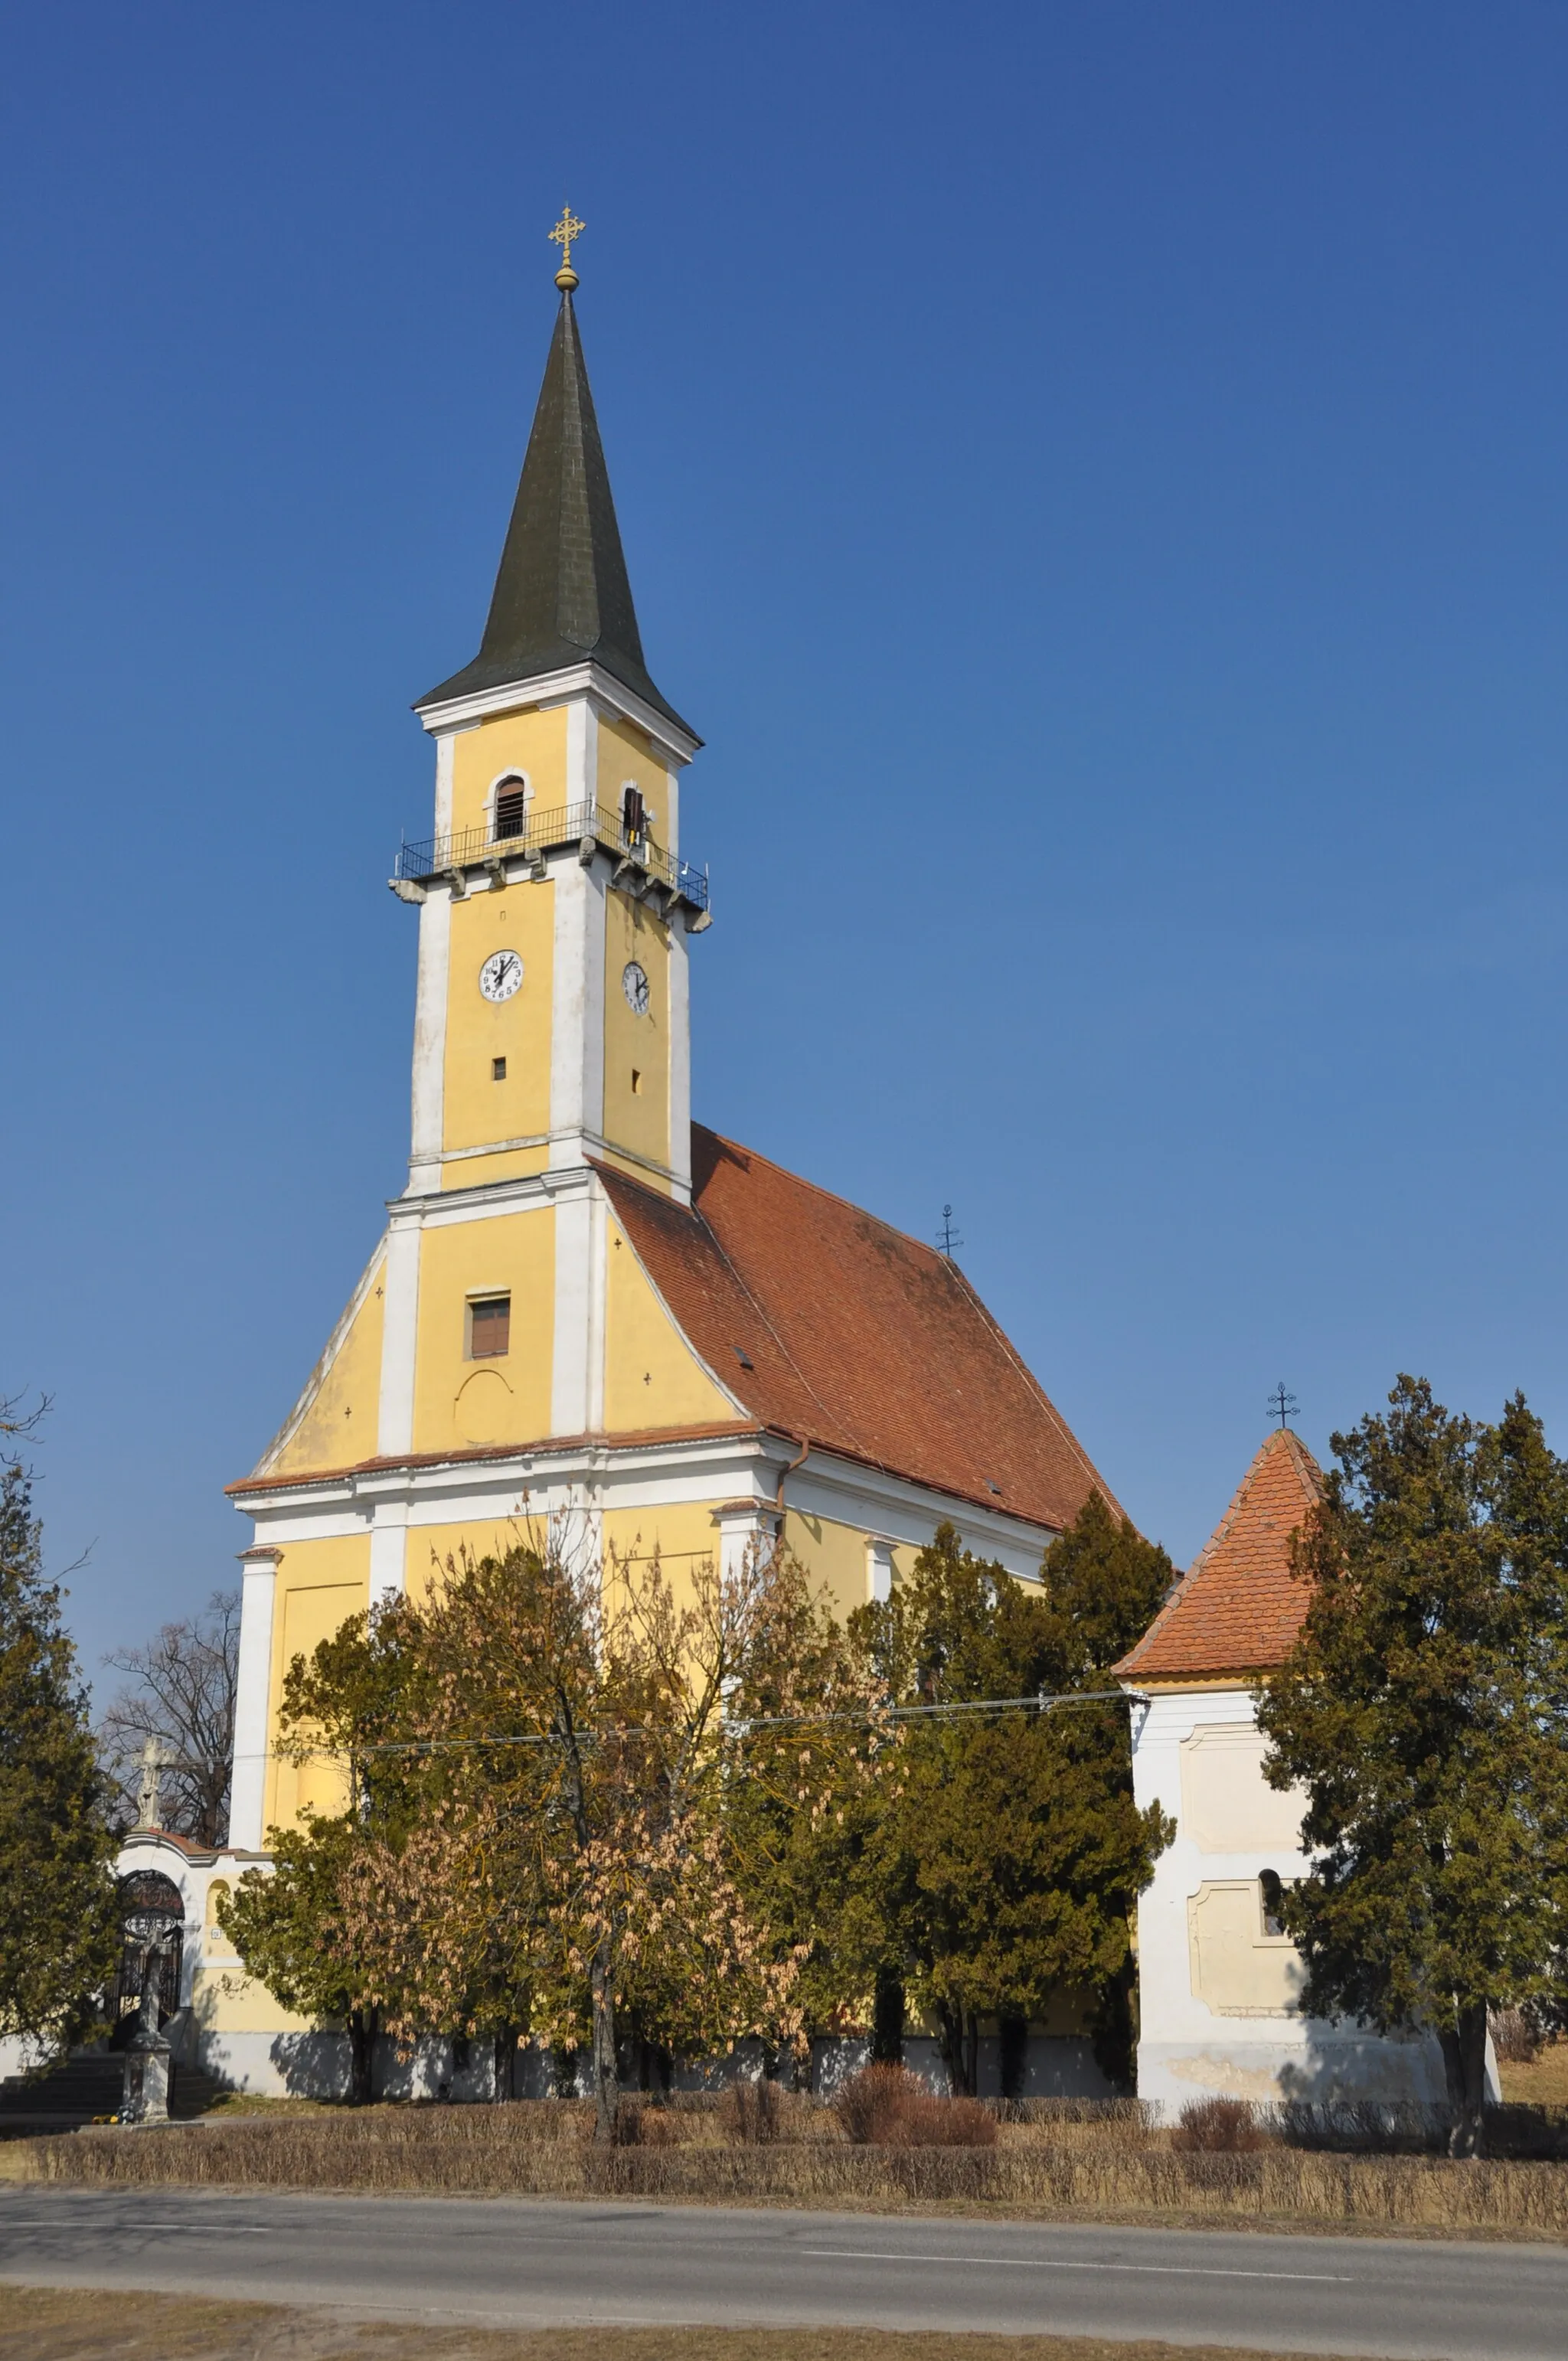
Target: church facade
[{"x": 585, "y": 1307}]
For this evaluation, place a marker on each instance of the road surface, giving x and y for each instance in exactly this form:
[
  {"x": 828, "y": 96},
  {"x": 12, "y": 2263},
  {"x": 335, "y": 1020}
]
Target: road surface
[{"x": 506, "y": 2262}]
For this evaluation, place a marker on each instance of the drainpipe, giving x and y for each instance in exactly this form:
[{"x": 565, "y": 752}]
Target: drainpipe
[{"x": 799, "y": 1461}]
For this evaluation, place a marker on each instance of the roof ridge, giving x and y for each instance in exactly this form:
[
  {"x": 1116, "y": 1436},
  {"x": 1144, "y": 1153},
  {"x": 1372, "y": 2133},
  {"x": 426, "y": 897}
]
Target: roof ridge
[
  {"x": 1025, "y": 1371},
  {"x": 933, "y": 1254}
]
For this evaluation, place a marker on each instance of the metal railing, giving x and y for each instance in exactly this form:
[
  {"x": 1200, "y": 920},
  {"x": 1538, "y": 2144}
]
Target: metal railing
[{"x": 545, "y": 831}]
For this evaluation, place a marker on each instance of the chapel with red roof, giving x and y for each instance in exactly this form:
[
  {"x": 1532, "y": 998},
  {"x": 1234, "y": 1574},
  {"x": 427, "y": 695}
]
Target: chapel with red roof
[
  {"x": 585, "y": 1306},
  {"x": 1219, "y": 1980}
]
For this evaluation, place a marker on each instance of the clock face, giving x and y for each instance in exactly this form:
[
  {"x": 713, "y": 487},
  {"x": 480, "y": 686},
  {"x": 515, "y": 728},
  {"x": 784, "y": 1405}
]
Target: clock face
[
  {"x": 634, "y": 983},
  {"x": 500, "y": 975}
]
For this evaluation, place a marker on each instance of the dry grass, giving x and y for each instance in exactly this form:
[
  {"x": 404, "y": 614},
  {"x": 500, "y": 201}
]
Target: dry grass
[
  {"x": 1538, "y": 2082},
  {"x": 1069, "y": 2165},
  {"x": 84, "y": 2324}
]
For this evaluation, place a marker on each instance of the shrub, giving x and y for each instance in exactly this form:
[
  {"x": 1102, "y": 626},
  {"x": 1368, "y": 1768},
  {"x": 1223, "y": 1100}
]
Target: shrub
[
  {"x": 753, "y": 2111},
  {"x": 1227, "y": 2125},
  {"x": 886, "y": 2106}
]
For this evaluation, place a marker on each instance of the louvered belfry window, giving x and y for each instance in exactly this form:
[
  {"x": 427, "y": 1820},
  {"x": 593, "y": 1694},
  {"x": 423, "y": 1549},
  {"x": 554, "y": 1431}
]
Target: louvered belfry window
[
  {"x": 490, "y": 1326},
  {"x": 511, "y": 808}
]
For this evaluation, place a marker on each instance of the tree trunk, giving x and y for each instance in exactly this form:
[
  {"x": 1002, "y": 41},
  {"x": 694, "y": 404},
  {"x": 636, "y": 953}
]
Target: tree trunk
[
  {"x": 1013, "y": 2041},
  {"x": 364, "y": 2024},
  {"x": 957, "y": 2046},
  {"x": 887, "y": 2019},
  {"x": 606, "y": 2079},
  {"x": 971, "y": 2058},
  {"x": 1464, "y": 2069},
  {"x": 505, "y": 2052}
]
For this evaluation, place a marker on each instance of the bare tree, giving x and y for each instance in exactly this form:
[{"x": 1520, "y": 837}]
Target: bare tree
[{"x": 181, "y": 1695}]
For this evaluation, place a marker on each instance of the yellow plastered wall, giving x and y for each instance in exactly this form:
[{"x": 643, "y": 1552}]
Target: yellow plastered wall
[
  {"x": 837, "y": 1559},
  {"x": 476, "y": 1108},
  {"x": 636, "y": 1115},
  {"x": 534, "y": 744},
  {"x": 320, "y": 1585},
  {"x": 626, "y": 757},
  {"x": 224, "y": 1999},
  {"x": 682, "y": 1533},
  {"x": 339, "y": 1426},
  {"x": 651, "y": 1376},
  {"x": 459, "y": 1402}
]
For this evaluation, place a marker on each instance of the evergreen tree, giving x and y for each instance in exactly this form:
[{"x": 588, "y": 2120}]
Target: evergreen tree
[
  {"x": 1425, "y": 1710},
  {"x": 1009, "y": 1854},
  {"x": 59, "y": 1935}
]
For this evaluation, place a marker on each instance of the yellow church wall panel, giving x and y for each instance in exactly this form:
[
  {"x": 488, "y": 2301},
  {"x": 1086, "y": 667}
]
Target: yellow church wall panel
[
  {"x": 835, "y": 1556},
  {"x": 626, "y": 756},
  {"x": 636, "y": 1048},
  {"x": 458, "y": 1400},
  {"x": 682, "y": 1534},
  {"x": 651, "y": 1376},
  {"x": 475, "y": 1107},
  {"x": 534, "y": 744},
  {"x": 225, "y": 2000},
  {"x": 339, "y": 1425},
  {"x": 320, "y": 1585}
]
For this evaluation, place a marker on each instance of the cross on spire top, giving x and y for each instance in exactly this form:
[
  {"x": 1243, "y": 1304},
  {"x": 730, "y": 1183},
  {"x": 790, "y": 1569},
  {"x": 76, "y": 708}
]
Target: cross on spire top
[
  {"x": 1283, "y": 1404},
  {"x": 566, "y": 230}
]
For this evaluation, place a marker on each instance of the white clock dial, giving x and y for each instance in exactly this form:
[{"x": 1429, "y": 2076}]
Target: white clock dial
[
  {"x": 500, "y": 975},
  {"x": 634, "y": 983}
]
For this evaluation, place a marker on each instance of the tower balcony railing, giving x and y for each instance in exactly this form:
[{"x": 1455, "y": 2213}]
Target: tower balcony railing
[{"x": 584, "y": 825}]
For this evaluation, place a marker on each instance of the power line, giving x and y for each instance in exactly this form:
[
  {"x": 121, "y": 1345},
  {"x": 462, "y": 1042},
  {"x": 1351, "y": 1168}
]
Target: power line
[{"x": 1043, "y": 1702}]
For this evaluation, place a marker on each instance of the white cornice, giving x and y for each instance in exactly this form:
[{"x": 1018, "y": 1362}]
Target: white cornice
[
  {"x": 643, "y": 1474},
  {"x": 587, "y": 679}
]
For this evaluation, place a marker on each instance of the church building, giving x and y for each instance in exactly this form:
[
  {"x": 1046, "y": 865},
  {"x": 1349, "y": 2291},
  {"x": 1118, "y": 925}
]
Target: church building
[{"x": 584, "y": 1305}]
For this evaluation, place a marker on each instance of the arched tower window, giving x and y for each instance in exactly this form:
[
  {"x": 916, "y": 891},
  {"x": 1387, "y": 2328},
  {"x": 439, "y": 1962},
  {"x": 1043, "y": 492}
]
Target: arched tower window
[{"x": 510, "y": 817}]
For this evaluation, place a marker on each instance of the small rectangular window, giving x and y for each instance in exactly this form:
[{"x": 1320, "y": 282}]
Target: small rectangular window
[
  {"x": 498, "y": 1069},
  {"x": 490, "y": 1326},
  {"x": 1271, "y": 1901}
]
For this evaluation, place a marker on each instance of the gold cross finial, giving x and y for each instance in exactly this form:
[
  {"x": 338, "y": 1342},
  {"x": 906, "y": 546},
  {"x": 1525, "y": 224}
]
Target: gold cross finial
[{"x": 566, "y": 230}]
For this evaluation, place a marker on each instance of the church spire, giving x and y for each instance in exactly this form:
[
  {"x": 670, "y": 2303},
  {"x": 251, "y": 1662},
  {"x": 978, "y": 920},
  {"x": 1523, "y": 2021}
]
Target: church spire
[{"x": 562, "y": 594}]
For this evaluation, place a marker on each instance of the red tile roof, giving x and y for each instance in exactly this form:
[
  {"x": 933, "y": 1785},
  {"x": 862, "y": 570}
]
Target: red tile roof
[
  {"x": 831, "y": 1326},
  {"x": 1238, "y": 1608}
]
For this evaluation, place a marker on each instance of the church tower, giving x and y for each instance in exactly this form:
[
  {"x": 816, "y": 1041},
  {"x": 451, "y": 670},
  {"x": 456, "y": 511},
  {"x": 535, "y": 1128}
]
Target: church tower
[{"x": 583, "y": 1305}]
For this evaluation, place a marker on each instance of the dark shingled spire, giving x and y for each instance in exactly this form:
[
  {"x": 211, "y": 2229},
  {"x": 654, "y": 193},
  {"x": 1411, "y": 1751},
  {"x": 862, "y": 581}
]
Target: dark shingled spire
[{"x": 562, "y": 593}]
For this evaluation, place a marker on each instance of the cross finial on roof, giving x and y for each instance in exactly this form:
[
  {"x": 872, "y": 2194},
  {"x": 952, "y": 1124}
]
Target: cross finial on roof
[
  {"x": 1282, "y": 1403},
  {"x": 946, "y": 1237},
  {"x": 566, "y": 230}
]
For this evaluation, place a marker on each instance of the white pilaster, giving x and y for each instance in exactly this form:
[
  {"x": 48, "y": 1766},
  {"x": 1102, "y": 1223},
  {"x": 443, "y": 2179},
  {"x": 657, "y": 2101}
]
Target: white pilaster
[
  {"x": 247, "y": 1801},
  {"x": 388, "y": 1551},
  {"x": 673, "y": 809},
  {"x": 400, "y": 1334},
  {"x": 680, "y": 1062},
  {"x": 577, "y": 1037},
  {"x": 581, "y": 751},
  {"x": 445, "y": 745},
  {"x": 430, "y": 1037},
  {"x": 745, "y": 1529},
  {"x": 879, "y": 1566},
  {"x": 576, "y": 1380}
]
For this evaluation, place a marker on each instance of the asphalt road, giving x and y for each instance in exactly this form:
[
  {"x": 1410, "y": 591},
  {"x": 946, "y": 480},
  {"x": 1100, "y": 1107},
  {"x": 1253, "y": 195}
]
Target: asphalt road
[{"x": 506, "y": 2262}]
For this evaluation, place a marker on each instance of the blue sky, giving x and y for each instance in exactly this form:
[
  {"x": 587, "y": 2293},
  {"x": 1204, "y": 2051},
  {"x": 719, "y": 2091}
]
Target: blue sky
[{"x": 1096, "y": 475}]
